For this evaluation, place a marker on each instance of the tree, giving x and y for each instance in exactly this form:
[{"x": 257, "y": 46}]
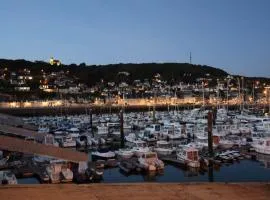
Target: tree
[{"x": 82, "y": 65}]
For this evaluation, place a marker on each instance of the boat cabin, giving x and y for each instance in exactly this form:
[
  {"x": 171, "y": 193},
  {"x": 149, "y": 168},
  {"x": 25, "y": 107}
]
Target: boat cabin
[{"x": 190, "y": 154}]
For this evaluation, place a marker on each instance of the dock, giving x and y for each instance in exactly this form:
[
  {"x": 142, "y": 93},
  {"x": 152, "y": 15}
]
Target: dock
[
  {"x": 20, "y": 132},
  {"x": 19, "y": 145},
  {"x": 139, "y": 191},
  {"x": 11, "y": 120}
]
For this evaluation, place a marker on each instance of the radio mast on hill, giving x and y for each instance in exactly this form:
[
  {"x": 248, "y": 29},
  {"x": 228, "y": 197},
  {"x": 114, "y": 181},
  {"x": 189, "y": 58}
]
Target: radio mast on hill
[{"x": 190, "y": 58}]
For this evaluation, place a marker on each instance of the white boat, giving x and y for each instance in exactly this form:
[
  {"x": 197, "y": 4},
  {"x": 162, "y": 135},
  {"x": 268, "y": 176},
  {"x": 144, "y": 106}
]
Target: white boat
[
  {"x": 88, "y": 140},
  {"x": 262, "y": 146},
  {"x": 150, "y": 161},
  {"x": 74, "y": 132},
  {"x": 222, "y": 142},
  {"x": 147, "y": 136},
  {"x": 7, "y": 177},
  {"x": 257, "y": 136},
  {"x": 68, "y": 141},
  {"x": 163, "y": 148},
  {"x": 41, "y": 159},
  {"x": 102, "y": 131},
  {"x": 140, "y": 147},
  {"x": 130, "y": 137},
  {"x": 173, "y": 132},
  {"x": 103, "y": 156},
  {"x": 226, "y": 144},
  {"x": 189, "y": 156},
  {"x": 262, "y": 124},
  {"x": 49, "y": 140},
  {"x": 153, "y": 128},
  {"x": 3, "y": 162},
  {"x": 43, "y": 129},
  {"x": 66, "y": 175},
  {"x": 125, "y": 153},
  {"x": 53, "y": 170}
]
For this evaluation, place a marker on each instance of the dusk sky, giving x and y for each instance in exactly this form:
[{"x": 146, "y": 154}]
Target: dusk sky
[{"x": 230, "y": 34}]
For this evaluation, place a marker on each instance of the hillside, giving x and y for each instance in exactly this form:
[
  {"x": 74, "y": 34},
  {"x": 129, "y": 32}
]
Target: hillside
[{"x": 91, "y": 74}]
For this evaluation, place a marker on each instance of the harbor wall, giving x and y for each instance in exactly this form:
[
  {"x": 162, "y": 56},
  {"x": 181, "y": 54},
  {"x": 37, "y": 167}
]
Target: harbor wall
[{"x": 138, "y": 191}]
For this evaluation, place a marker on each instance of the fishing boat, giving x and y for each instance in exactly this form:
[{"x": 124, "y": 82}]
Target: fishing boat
[
  {"x": 66, "y": 175},
  {"x": 150, "y": 161},
  {"x": 111, "y": 163},
  {"x": 189, "y": 156},
  {"x": 102, "y": 131},
  {"x": 68, "y": 141},
  {"x": 43, "y": 128},
  {"x": 124, "y": 153},
  {"x": 86, "y": 140},
  {"x": 131, "y": 137},
  {"x": 126, "y": 166},
  {"x": 147, "y": 136},
  {"x": 140, "y": 147},
  {"x": 262, "y": 146},
  {"x": 172, "y": 132},
  {"x": 53, "y": 170},
  {"x": 7, "y": 177},
  {"x": 103, "y": 155},
  {"x": 163, "y": 148}
]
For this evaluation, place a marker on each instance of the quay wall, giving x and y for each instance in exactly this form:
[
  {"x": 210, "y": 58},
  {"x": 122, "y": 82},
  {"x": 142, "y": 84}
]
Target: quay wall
[{"x": 138, "y": 191}]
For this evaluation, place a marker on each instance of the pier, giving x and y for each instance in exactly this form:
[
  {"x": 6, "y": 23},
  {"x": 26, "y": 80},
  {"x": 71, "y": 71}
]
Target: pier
[
  {"x": 20, "y": 132},
  {"x": 19, "y": 145}
]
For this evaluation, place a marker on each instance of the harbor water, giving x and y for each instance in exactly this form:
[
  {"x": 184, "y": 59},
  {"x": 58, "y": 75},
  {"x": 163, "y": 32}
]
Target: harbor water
[{"x": 242, "y": 171}]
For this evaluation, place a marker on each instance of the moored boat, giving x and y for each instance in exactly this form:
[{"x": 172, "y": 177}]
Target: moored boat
[
  {"x": 189, "y": 156},
  {"x": 150, "y": 161},
  {"x": 163, "y": 148},
  {"x": 103, "y": 155},
  {"x": 262, "y": 146}
]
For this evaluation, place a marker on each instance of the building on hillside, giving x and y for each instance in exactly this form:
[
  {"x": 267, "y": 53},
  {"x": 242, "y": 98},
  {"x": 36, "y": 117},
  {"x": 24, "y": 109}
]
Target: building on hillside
[{"x": 55, "y": 62}]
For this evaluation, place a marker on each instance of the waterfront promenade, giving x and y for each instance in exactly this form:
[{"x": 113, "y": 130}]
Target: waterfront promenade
[
  {"x": 97, "y": 109},
  {"x": 155, "y": 191}
]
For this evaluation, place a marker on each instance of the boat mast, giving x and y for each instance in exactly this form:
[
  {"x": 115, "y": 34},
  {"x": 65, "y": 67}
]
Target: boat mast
[
  {"x": 239, "y": 93},
  {"x": 203, "y": 92},
  {"x": 154, "y": 106},
  {"x": 217, "y": 91},
  {"x": 228, "y": 82},
  {"x": 122, "y": 128},
  {"x": 243, "y": 93}
]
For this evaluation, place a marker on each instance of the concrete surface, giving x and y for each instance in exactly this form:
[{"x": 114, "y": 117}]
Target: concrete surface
[{"x": 157, "y": 191}]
